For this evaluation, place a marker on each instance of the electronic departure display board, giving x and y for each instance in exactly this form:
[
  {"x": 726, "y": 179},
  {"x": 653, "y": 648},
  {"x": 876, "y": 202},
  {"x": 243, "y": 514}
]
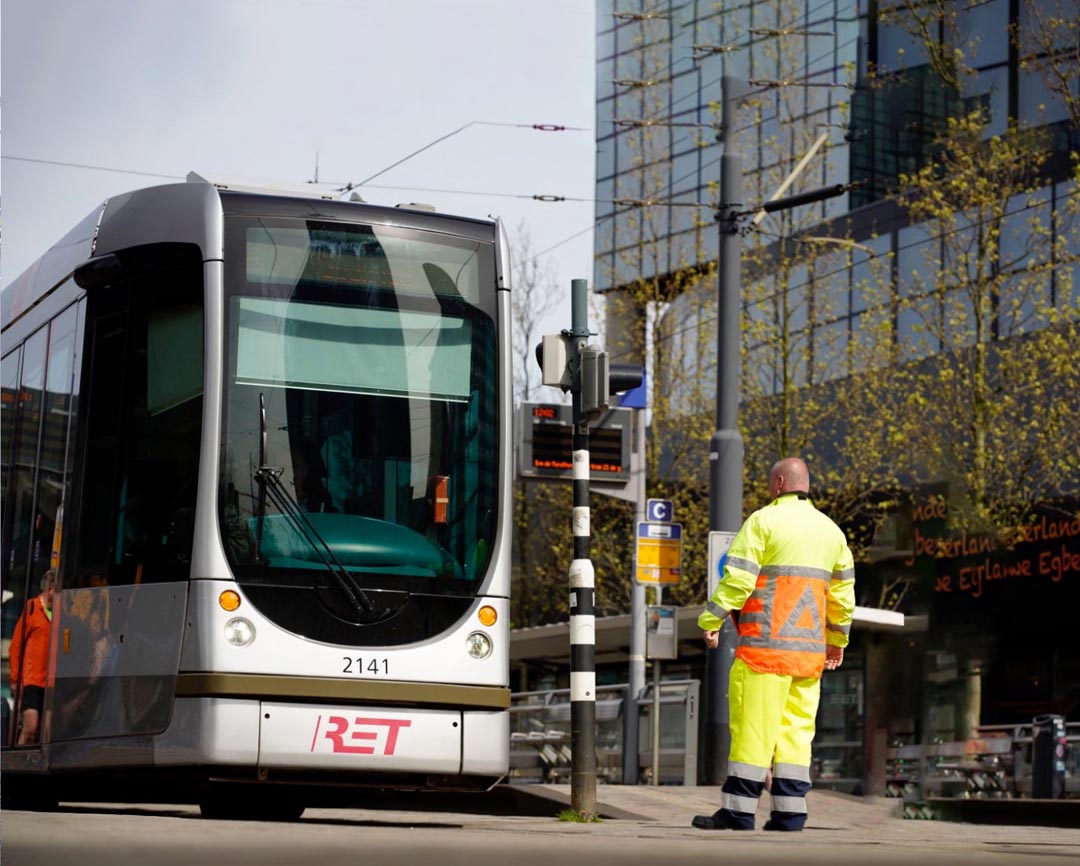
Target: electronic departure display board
[{"x": 546, "y": 435}]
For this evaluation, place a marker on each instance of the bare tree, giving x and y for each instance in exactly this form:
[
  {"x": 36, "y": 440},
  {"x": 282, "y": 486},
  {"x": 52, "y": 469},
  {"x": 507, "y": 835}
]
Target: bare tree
[{"x": 535, "y": 295}]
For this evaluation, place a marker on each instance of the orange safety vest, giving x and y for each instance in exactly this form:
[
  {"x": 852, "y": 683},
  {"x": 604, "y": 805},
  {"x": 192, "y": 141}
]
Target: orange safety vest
[{"x": 782, "y": 624}]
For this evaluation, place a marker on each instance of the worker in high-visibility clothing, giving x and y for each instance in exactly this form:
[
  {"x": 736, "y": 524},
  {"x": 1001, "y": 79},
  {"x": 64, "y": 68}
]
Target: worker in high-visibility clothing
[
  {"x": 790, "y": 575},
  {"x": 29, "y": 658}
]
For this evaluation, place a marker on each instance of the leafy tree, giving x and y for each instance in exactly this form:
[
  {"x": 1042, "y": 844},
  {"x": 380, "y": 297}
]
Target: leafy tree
[
  {"x": 986, "y": 310},
  {"x": 986, "y": 295},
  {"x": 959, "y": 363},
  {"x": 660, "y": 231},
  {"x": 801, "y": 375},
  {"x": 1048, "y": 40}
]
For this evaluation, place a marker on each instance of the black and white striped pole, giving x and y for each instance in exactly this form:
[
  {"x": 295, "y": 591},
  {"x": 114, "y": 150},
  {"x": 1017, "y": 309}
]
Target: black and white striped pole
[
  {"x": 569, "y": 362},
  {"x": 582, "y": 576}
]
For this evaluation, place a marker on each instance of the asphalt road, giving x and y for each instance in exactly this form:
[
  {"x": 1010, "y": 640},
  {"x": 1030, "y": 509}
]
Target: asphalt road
[{"x": 154, "y": 835}]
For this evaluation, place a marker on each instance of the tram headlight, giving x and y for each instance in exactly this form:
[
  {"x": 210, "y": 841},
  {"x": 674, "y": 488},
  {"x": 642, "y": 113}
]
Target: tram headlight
[
  {"x": 478, "y": 645},
  {"x": 239, "y": 631}
]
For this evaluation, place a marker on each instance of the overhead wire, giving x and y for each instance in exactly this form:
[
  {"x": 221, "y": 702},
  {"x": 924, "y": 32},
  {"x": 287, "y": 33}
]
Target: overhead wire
[
  {"x": 868, "y": 257},
  {"x": 746, "y": 46},
  {"x": 696, "y": 172},
  {"x": 535, "y": 197},
  {"x": 817, "y": 278},
  {"x": 90, "y": 167},
  {"x": 348, "y": 186},
  {"x": 539, "y": 127},
  {"x": 760, "y": 121},
  {"x": 524, "y": 196}
]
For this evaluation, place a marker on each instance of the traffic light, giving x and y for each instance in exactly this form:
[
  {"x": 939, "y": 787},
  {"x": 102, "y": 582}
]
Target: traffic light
[
  {"x": 587, "y": 372},
  {"x": 600, "y": 379},
  {"x": 625, "y": 377},
  {"x": 594, "y": 381},
  {"x": 553, "y": 355}
]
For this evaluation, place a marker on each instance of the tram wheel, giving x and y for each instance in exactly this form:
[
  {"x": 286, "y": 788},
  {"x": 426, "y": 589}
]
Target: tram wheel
[{"x": 245, "y": 805}]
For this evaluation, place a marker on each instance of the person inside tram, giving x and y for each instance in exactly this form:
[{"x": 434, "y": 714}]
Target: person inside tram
[
  {"x": 30, "y": 657},
  {"x": 309, "y": 474}
]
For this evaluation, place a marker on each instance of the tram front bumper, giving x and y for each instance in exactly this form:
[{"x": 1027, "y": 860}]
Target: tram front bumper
[{"x": 286, "y": 736}]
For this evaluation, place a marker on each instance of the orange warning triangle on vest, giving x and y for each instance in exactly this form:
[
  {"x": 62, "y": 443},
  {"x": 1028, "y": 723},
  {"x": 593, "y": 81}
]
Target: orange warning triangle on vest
[{"x": 806, "y": 619}]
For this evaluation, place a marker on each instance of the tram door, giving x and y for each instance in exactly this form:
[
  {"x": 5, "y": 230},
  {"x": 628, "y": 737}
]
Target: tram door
[{"x": 128, "y": 557}]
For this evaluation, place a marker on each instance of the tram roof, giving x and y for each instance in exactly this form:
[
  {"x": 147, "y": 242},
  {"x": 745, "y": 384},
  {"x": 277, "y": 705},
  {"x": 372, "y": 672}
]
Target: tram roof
[{"x": 191, "y": 212}]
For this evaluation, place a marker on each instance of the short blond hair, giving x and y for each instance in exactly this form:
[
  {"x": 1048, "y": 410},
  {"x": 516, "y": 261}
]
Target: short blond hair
[{"x": 48, "y": 579}]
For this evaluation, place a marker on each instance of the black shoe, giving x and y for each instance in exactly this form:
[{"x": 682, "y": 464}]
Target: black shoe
[
  {"x": 769, "y": 825},
  {"x": 717, "y": 821}
]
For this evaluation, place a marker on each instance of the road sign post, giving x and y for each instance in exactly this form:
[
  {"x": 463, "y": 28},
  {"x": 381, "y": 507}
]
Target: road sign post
[{"x": 719, "y": 542}]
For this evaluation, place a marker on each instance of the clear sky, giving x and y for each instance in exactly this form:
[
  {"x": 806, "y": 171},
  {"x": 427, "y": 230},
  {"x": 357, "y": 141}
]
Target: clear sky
[{"x": 252, "y": 89}]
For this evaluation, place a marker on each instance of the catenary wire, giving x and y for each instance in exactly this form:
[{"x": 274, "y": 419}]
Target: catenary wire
[
  {"x": 869, "y": 257},
  {"x": 91, "y": 167}
]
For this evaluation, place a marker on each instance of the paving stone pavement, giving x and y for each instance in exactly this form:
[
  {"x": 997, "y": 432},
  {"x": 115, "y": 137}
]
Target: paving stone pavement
[{"x": 832, "y": 817}]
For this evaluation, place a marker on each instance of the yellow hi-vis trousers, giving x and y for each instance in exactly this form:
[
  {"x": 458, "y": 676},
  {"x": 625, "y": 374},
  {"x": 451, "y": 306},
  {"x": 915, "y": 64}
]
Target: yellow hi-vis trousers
[{"x": 772, "y": 725}]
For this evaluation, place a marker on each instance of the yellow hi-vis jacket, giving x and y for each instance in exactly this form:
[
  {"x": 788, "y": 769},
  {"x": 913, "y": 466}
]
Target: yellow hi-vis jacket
[{"x": 791, "y": 575}]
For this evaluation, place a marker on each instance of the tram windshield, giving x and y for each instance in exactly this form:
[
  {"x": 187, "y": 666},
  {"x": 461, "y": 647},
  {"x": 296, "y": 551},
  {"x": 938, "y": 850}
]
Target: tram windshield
[{"x": 360, "y": 415}]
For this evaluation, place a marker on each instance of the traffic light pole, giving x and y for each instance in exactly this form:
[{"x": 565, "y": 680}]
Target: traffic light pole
[
  {"x": 582, "y": 583},
  {"x": 636, "y": 678},
  {"x": 570, "y": 363},
  {"x": 726, "y": 446}
]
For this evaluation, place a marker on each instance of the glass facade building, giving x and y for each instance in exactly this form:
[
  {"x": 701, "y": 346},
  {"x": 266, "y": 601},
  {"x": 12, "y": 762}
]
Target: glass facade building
[
  {"x": 659, "y": 67},
  {"x": 846, "y": 81}
]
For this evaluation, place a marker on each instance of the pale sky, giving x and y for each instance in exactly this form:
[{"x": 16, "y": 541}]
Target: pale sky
[{"x": 252, "y": 89}]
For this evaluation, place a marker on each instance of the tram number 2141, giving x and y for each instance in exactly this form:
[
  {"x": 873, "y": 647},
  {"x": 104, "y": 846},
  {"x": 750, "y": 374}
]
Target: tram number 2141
[{"x": 361, "y": 666}]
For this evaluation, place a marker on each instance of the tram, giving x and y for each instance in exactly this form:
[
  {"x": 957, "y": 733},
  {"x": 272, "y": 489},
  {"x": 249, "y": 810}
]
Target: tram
[{"x": 263, "y": 443}]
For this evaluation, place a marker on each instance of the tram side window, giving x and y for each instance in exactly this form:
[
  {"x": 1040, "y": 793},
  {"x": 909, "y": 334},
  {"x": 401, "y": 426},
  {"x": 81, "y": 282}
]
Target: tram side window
[
  {"x": 19, "y": 499},
  {"x": 143, "y": 429},
  {"x": 52, "y": 462},
  {"x": 36, "y": 412},
  {"x": 9, "y": 401}
]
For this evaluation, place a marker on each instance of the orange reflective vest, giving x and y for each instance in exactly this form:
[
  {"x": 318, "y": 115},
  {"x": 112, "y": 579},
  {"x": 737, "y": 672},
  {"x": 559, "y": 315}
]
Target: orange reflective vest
[{"x": 790, "y": 572}]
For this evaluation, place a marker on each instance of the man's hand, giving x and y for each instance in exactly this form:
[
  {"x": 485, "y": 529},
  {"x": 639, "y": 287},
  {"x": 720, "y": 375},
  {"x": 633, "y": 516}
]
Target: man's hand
[
  {"x": 712, "y": 638},
  {"x": 834, "y": 657}
]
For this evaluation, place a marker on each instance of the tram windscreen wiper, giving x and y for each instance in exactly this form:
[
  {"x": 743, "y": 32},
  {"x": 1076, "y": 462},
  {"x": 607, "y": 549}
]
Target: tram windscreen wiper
[{"x": 270, "y": 486}]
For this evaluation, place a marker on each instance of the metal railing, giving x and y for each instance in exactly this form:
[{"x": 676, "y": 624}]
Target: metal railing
[
  {"x": 540, "y": 734},
  {"x": 995, "y": 765}
]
